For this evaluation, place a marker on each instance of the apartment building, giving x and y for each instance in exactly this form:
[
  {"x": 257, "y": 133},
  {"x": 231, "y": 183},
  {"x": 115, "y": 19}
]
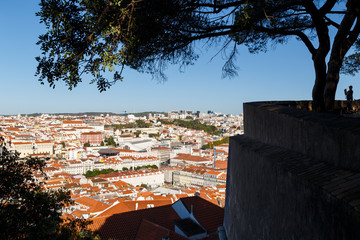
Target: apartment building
[{"x": 94, "y": 138}]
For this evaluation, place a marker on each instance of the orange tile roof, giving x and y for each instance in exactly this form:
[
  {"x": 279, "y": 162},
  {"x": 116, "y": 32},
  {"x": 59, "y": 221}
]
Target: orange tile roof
[
  {"x": 78, "y": 213},
  {"x": 72, "y": 122},
  {"x": 222, "y": 176},
  {"x": 122, "y": 184},
  {"x": 115, "y": 209},
  {"x": 91, "y": 133},
  {"x": 208, "y": 215},
  {"x": 21, "y": 143},
  {"x": 127, "y": 192},
  {"x": 212, "y": 172},
  {"x": 12, "y": 129},
  {"x": 40, "y": 142},
  {"x": 188, "y": 157},
  {"x": 94, "y": 205},
  {"x": 149, "y": 230},
  {"x": 144, "y": 204},
  {"x": 125, "y": 225},
  {"x": 221, "y": 164},
  {"x": 145, "y": 194},
  {"x": 160, "y": 148}
]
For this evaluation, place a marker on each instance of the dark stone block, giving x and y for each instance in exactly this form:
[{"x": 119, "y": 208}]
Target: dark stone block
[{"x": 293, "y": 175}]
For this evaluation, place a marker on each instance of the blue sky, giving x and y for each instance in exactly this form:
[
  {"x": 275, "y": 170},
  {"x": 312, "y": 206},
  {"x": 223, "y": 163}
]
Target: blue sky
[{"x": 285, "y": 72}]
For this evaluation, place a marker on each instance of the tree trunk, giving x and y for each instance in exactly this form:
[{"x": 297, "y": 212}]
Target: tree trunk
[
  {"x": 319, "y": 59},
  {"x": 319, "y": 55},
  {"x": 332, "y": 80},
  {"x": 344, "y": 39},
  {"x": 320, "y": 81}
]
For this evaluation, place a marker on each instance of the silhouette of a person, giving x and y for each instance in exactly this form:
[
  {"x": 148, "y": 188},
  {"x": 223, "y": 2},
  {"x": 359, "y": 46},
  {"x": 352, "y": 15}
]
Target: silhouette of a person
[{"x": 349, "y": 97}]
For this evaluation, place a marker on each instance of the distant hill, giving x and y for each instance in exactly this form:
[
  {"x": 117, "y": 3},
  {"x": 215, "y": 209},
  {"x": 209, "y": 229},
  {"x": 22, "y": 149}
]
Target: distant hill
[{"x": 139, "y": 114}]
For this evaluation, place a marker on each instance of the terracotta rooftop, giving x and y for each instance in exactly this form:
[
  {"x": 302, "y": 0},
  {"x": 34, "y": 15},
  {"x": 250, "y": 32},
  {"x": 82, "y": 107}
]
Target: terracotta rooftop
[
  {"x": 149, "y": 230},
  {"x": 72, "y": 122},
  {"x": 115, "y": 209},
  {"x": 94, "y": 205},
  {"x": 188, "y": 157},
  {"x": 160, "y": 148},
  {"x": 122, "y": 184},
  {"x": 208, "y": 215},
  {"x": 125, "y": 225},
  {"x": 132, "y": 225},
  {"x": 221, "y": 164}
]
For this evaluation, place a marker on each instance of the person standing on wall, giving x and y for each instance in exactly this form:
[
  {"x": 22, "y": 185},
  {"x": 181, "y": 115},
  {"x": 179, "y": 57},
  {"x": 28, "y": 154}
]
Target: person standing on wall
[{"x": 349, "y": 97}]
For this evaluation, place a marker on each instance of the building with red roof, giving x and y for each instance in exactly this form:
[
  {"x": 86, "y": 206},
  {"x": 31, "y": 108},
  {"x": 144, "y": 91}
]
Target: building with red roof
[
  {"x": 94, "y": 138},
  {"x": 183, "y": 158},
  {"x": 188, "y": 218}
]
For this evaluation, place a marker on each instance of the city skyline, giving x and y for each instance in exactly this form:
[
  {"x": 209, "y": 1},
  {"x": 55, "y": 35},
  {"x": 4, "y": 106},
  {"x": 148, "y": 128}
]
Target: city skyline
[{"x": 199, "y": 87}]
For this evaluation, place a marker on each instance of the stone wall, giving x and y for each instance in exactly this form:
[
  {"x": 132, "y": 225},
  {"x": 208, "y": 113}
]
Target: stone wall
[
  {"x": 326, "y": 137},
  {"x": 279, "y": 188}
]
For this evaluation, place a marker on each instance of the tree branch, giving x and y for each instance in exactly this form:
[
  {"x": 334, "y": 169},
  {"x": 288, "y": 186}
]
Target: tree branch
[
  {"x": 332, "y": 22},
  {"x": 353, "y": 35},
  {"x": 306, "y": 41},
  {"x": 217, "y": 6},
  {"x": 326, "y": 8},
  {"x": 320, "y": 27}
]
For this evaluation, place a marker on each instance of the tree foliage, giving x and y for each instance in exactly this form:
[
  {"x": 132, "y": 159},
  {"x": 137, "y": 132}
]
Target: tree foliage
[
  {"x": 90, "y": 37},
  {"x": 137, "y": 124},
  {"x": 154, "y": 135},
  {"x": 137, "y": 133},
  {"x": 97, "y": 172},
  {"x": 194, "y": 124},
  {"x": 29, "y": 212},
  {"x": 216, "y": 143},
  {"x": 142, "y": 124},
  {"x": 110, "y": 141},
  {"x": 146, "y": 166},
  {"x": 121, "y": 126}
]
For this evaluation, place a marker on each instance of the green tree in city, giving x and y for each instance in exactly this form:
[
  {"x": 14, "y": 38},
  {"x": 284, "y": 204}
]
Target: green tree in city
[
  {"x": 97, "y": 172},
  {"x": 142, "y": 124},
  {"x": 110, "y": 141},
  {"x": 27, "y": 211},
  {"x": 87, "y": 144},
  {"x": 154, "y": 135},
  {"x": 137, "y": 133},
  {"x": 63, "y": 144},
  {"x": 216, "y": 143}
]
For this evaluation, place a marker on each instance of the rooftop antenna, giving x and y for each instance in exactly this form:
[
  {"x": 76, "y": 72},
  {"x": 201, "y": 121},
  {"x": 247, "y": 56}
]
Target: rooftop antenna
[{"x": 124, "y": 113}]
